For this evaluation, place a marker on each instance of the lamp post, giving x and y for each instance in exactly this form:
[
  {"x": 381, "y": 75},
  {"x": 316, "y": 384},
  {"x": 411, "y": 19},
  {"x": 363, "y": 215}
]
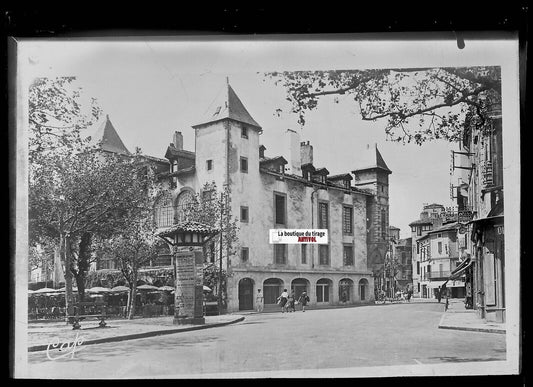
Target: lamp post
[{"x": 188, "y": 269}]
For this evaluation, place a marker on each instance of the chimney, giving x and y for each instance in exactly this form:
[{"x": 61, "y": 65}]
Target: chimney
[
  {"x": 178, "y": 140},
  {"x": 294, "y": 152},
  {"x": 306, "y": 153}
]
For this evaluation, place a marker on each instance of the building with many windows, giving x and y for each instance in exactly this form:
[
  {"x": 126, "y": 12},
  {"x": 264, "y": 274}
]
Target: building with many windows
[
  {"x": 478, "y": 167},
  {"x": 269, "y": 192},
  {"x": 439, "y": 257}
]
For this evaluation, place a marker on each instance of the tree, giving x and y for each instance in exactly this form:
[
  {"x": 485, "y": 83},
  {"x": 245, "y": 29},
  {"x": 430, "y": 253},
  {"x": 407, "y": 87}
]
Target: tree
[
  {"x": 213, "y": 208},
  {"x": 79, "y": 196},
  {"x": 132, "y": 248},
  {"x": 58, "y": 116},
  {"x": 420, "y": 104}
]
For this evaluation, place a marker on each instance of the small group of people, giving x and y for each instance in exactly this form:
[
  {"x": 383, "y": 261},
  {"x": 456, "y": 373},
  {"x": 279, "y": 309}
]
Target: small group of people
[{"x": 286, "y": 301}]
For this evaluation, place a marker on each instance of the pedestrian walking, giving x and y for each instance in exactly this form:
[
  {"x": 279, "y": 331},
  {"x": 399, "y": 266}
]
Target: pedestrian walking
[
  {"x": 439, "y": 294},
  {"x": 409, "y": 294},
  {"x": 282, "y": 300},
  {"x": 290, "y": 302},
  {"x": 259, "y": 305},
  {"x": 303, "y": 300}
]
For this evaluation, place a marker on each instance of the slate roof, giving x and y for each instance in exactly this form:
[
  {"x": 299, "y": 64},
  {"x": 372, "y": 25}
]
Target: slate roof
[
  {"x": 446, "y": 227},
  {"x": 108, "y": 139},
  {"x": 343, "y": 176},
  {"x": 228, "y": 105},
  {"x": 372, "y": 159},
  {"x": 173, "y": 153},
  {"x": 420, "y": 221}
]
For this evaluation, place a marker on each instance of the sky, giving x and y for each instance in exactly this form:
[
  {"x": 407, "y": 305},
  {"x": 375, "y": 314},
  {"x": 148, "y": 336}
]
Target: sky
[{"x": 150, "y": 88}]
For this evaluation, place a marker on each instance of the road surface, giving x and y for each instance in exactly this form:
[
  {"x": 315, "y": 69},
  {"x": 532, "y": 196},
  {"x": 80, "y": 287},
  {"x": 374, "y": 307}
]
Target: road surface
[{"x": 376, "y": 335}]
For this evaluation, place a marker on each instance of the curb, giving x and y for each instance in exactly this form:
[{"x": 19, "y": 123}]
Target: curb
[
  {"x": 469, "y": 329},
  {"x": 142, "y": 335}
]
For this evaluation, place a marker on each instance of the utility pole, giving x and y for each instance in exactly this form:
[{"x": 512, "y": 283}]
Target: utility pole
[{"x": 220, "y": 262}]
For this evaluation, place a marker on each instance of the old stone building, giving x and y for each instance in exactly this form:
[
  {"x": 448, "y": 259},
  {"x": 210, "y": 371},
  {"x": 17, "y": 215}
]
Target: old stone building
[{"x": 269, "y": 192}]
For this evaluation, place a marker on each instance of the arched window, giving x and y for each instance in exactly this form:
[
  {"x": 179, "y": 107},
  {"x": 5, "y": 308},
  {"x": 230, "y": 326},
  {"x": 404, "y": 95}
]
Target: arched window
[
  {"x": 183, "y": 202},
  {"x": 163, "y": 210}
]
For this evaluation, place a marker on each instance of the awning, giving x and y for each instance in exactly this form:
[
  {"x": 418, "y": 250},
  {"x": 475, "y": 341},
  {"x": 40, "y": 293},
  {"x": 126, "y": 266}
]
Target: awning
[
  {"x": 487, "y": 219},
  {"x": 458, "y": 273},
  {"x": 449, "y": 284}
]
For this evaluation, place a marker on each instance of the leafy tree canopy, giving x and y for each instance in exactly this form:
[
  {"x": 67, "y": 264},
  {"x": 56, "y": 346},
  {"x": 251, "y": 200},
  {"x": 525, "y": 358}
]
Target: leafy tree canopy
[{"x": 419, "y": 104}]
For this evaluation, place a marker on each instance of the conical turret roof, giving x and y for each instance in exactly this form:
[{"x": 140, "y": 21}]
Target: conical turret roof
[
  {"x": 372, "y": 159},
  {"x": 227, "y": 105},
  {"x": 108, "y": 138}
]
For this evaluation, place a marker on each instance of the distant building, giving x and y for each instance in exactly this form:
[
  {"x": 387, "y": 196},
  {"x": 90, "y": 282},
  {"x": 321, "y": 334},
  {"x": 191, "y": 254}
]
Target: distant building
[
  {"x": 430, "y": 218},
  {"x": 403, "y": 253},
  {"x": 439, "y": 256}
]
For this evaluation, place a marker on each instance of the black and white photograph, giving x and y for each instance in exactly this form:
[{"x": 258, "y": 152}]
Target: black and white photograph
[{"x": 213, "y": 207}]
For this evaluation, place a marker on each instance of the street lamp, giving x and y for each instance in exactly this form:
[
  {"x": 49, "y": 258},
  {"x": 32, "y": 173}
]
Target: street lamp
[{"x": 188, "y": 268}]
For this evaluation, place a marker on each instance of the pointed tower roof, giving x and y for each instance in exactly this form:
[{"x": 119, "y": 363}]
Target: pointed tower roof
[
  {"x": 227, "y": 105},
  {"x": 108, "y": 138},
  {"x": 372, "y": 159}
]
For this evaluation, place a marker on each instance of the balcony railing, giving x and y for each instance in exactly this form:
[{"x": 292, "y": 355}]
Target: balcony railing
[{"x": 438, "y": 274}]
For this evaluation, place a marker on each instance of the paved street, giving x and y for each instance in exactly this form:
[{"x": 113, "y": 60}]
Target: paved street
[{"x": 379, "y": 335}]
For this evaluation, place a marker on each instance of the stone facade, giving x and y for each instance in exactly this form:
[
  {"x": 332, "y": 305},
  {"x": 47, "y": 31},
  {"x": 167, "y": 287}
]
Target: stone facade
[{"x": 228, "y": 153}]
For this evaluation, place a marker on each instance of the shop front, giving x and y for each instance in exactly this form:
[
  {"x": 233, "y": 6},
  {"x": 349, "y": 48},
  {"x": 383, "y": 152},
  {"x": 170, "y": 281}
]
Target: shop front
[{"x": 489, "y": 268}]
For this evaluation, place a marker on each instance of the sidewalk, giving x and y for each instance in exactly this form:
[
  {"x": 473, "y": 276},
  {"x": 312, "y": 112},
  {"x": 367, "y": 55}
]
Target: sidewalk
[
  {"x": 459, "y": 318},
  {"x": 40, "y": 335}
]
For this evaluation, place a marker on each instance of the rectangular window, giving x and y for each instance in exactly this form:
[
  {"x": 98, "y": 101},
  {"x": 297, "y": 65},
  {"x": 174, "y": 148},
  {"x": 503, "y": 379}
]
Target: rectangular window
[
  {"x": 304, "y": 254},
  {"x": 244, "y": 132},
  {"x": 212, "y": 252},
  {"x": 209, "y": 164},
  {"x": 207, "y": 195},
  {"x": 348, "y": 256},
  {"x": 244, "y": 165},
  {"x": 244, "y": 254},
  {"x": 323, "y": 254},
  {"x": 439, "y": 247},
  {"x": 418, "y": 231},
  {"x": 418, "y": 268},
  {"x": 323, "y": 215},
  {"x": 347, "y": 184},
  {"x": 347, "y": 220},
  {"x": 244, "y": 214},
  {"x": 280, "y": 254},
  {"x": 280, "y": 209}
]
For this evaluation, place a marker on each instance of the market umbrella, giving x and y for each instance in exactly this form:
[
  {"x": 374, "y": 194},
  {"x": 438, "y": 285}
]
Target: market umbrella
[
  {"x": 147, "y": 287},
  {"x": 207, "y": 289},
  {"x": 46, "y": 290},
  {"x": 98, "y": 289},
  {"x": 120, "y": 288},
  {"x": 74, "y": 289},
  {"x": 166, "y": 288}
]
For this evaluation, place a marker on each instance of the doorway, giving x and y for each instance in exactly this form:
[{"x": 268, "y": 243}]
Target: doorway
[{"x": 246, "y": 298}]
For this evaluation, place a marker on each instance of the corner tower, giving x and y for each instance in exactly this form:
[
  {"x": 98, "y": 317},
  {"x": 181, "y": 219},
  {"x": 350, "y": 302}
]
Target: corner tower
[
  {"x": 374, "y": 177},
  {"x": 227, "y": 141}
]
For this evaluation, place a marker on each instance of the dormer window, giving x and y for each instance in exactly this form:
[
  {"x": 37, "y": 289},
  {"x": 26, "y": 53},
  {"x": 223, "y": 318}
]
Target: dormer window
[
  {"x": 244, "y": 132},
  {"x": 346, "y": 184}
]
